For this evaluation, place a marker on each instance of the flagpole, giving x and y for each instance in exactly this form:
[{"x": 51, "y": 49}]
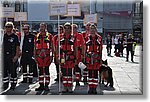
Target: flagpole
[
  {"x": 59, "y": 55},
  {"x": 90, "y": 7}
]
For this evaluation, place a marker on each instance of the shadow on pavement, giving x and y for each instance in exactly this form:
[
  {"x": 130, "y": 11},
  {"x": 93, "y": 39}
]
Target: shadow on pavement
[
  {"x": 108, "y": 88},
  {"x": 19, "y": 90}
]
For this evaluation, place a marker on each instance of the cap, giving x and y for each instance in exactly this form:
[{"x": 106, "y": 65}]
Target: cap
[
  {"x": 67, "y": 24},
  {"x": 9, "y": 24}
]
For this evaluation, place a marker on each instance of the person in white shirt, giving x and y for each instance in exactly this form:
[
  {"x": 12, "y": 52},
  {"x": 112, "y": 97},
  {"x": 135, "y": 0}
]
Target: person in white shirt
[{"x": 116, "y": 43}]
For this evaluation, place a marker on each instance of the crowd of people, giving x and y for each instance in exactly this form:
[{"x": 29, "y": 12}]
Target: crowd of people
[
  {"x": 120, "y": 43},
  {"x": 70, "y": 51}
]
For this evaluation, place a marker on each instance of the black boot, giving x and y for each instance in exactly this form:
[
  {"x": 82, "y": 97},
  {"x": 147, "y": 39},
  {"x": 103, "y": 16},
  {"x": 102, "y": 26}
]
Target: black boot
[
  {"x": 24, "y": 80},
  {"x": 77, "y": 83},
  {"x": 46, "y": 87},
  {"x": 94, "y": 91},
  {"x": 40, "y": 88},
  {"x": 90, "y": 91},
  {"x": 30, "y": 80},
  {"x": 5, "y": 86},
  {"x": 13, "y": 86},
  {"x": 85, "y": 80}
]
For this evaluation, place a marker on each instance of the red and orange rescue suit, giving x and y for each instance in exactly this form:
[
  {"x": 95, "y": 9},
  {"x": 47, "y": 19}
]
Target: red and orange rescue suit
[
  {"x": 43, "y": 55},
  {"x": 85, "y": 72},
  {"x": 67, "y": 53},
  {"x": 80, "y": 44},
  {"x": 93, "y": 59}
]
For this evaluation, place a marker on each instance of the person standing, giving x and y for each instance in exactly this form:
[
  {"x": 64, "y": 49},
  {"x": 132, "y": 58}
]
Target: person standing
[
  {"x": 43, "y": 55},
  {"x": 116, "y": 44},
  {"x": 93, "y": 58},
  {"x": 80, "y": 53},
  {"x": 55, "y": 38},
  {"x": 109, "y": 45},
  {"x": 11, "y": 50},
  {"x": 27, "y": 60},
  {"x": 67, "y": 57},
  {"x": 130, "y": 42},
  {"x": 85, "y": 34},
  {"x": 121, "y": 44}
]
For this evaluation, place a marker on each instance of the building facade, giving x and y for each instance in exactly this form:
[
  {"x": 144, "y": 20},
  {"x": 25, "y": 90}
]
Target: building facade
[
  {"x": 117, "y": 17},
  {"x": 138, "y": 21}
]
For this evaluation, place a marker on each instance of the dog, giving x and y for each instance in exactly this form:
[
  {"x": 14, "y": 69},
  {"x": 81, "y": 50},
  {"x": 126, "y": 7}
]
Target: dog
[{"x": 106, "y": 74}]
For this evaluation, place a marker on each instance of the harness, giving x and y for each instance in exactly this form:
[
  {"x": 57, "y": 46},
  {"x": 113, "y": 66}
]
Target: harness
[
  {"x": 46, "y": 40},
  {"x": 42, "y": 53},
  {"x": 68, "y": 54},
  {"x": 93, "y": 55}
]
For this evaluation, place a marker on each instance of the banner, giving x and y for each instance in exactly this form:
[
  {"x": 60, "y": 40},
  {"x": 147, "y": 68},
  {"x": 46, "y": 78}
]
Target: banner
[
  {"x": 20, "y": 16},
  {"x": 57, "y": 9},
  {"x": 73, "y": 10},
  {"x": 90, "y": 18},
  {"x": 8, "y": 12}
]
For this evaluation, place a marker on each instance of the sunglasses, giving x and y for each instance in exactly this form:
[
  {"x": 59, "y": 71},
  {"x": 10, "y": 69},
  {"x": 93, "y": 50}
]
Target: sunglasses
[
  {"x": 67, "y": 27},
  {"x": 88, "y": 25},
  {"x": 8, "y": 26},
  {"x": 25, "y": 29}
]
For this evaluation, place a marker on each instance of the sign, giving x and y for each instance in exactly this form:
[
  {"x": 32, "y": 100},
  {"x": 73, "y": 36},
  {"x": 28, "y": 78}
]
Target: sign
[
  {"x": 119, "y": 13},
  {"x": 20, "y": 16},
  {"x": 57, "y": 9},
  {"x": 8, "y": 12},
  {"x": 73, "y": 10},
  {"x": 90, "y": 18}
]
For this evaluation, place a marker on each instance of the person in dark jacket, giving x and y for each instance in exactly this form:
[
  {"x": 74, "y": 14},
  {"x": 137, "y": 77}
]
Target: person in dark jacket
[
  {"x": 27, "y": 60},
  {"x": 109, "y": 45},
  {"x": 11, "y": 53},
  {"x": 121, "y": 44},
  {"x": 130, "y": 42}
]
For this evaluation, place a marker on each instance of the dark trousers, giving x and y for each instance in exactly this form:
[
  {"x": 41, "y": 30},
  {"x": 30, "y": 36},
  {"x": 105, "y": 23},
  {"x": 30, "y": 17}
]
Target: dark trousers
[
  {"x": 108, "y": 50},
  {"x": 28, "y": 74},
  {"x": 121, "y": 49},
  {"x": 9, "y": 68},
  {"x": 116, "y": 48},
  {"x": 35, "y": 71},
  {"x": 27, "y": 59},
  {"x": 132, "y": 53}
]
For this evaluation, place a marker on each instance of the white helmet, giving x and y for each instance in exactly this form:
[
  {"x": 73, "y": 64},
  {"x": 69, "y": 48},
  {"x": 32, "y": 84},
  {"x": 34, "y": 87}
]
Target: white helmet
[{"x": 81, "y": 65}]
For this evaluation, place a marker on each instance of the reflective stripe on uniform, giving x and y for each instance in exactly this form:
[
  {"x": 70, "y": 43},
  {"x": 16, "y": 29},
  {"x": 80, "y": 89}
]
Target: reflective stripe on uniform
[
  {"x": 5, "y": 78},
  {"x": 64, "y": 82},
  {"x": 41, "y": 76},
  {"x": 5, "y": 81}
]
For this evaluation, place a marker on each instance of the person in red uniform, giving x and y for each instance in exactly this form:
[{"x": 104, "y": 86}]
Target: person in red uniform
[
  {"x": 79, "y": 49},
  {"x": 55, "y": 38},
  {"x": 87, "y": 27},
  {"x": 85, "y": 34},
  {"x": 43, "y": 56},
  {"x": 93, "y": 58},
  {"x": 67, "y": 57}
]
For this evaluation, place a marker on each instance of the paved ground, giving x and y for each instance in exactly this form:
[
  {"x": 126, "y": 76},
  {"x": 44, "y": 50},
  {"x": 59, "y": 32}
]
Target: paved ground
[{"x": 127, "y": 79}]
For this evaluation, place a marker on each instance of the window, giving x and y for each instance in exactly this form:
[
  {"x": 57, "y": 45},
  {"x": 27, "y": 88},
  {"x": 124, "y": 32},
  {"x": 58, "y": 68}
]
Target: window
[{"x": 17, "y": 6}]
